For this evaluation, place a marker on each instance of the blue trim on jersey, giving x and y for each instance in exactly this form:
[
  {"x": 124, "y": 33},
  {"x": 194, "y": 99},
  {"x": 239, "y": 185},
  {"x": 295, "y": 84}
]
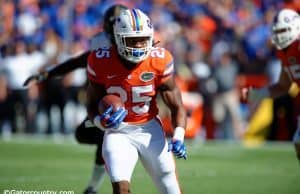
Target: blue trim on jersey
[{"x": 170, "y": 64}]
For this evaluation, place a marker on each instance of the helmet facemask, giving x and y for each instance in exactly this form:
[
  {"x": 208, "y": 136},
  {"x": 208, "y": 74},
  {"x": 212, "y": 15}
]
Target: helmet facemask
[
  {"x": 135, "y": 54},
  {"x": 133, "y": 26}
]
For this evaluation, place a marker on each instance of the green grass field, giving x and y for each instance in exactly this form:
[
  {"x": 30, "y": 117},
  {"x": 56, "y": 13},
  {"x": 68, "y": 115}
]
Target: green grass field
[{"x": 28, "y": 163}]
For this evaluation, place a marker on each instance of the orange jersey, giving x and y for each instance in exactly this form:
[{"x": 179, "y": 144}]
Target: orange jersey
[{"x": 136, "y": 87}]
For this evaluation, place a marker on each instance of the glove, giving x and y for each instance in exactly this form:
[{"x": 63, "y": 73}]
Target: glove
[
  {"x": 40, "y": 77},
  {"x": 110, "y": 119},
  {"x": 178, "y": 148},
  {"x": 115, "y": 118},
  {"x": 176, "y": 145}
]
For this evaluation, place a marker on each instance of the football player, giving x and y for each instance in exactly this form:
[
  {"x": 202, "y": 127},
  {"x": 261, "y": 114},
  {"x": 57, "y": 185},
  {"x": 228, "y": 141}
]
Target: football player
[
  {"x": 136, "y": 71},
  {"x": 86, "y": 132},
  {"x": 286, "y": 38}
]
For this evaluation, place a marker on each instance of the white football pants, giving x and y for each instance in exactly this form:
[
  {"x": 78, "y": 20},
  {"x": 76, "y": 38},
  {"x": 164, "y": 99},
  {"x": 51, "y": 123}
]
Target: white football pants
[{"x": 122, "y": 149}]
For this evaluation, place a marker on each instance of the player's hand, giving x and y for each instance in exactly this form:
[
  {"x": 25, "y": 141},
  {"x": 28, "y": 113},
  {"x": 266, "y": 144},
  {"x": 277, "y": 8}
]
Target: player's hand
[
  {"x": 40, "y": 77},
  {"x": 112, "y": 120},
  {"x": 178, "y": 148}
]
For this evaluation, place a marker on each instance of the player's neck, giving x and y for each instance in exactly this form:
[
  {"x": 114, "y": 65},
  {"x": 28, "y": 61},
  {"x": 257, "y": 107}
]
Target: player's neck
[{"x": 127, "y": 64}]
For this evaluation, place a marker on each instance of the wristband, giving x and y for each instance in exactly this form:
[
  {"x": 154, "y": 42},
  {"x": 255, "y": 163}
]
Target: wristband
[
  {"x": 97, "y": 123},
  {"x": 179, "y": 133}
]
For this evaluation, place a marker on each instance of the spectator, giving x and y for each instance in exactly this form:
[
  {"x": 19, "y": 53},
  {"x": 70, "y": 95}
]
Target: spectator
[{"x": 226, "y": 105}]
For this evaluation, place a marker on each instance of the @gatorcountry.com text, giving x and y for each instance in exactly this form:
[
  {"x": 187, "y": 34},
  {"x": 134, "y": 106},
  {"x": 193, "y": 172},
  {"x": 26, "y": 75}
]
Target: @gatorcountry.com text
[{"x": 17, "y": 191}]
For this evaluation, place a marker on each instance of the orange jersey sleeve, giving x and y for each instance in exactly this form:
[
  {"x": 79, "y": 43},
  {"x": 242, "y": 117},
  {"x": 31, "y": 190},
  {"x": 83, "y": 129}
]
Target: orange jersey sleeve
[
  {"x": 97, "y": 64},
  {"x": 163, "y": 64}
]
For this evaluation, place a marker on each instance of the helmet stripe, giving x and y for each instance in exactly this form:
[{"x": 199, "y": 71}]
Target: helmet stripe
[
  {"x": 133, "y": 21},
  {"x": 136, "y": 19},
  {"x": 141, "y": 22}
]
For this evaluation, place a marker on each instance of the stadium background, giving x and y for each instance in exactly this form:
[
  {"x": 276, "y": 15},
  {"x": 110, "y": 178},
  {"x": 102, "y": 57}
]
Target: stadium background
[{"x": 219, "y": 46}]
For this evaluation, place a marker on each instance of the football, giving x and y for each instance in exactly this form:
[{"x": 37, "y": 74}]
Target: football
[{"x": 110, "y": 99}]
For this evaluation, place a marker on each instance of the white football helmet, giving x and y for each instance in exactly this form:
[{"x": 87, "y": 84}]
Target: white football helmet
[
  {"x": 133, "y": 23},
  {"x": 285, "y": 28}
]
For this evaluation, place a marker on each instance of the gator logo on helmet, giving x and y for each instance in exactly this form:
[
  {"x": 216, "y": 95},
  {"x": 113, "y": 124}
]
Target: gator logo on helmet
[{"x": 147, "y": 76}]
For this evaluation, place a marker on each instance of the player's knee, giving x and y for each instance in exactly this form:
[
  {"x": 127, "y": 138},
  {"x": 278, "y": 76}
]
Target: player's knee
[
  {"x": 167, "y": 182},
  {"x": 121, "y": 187},
  {"x": 87, "y": 133}
]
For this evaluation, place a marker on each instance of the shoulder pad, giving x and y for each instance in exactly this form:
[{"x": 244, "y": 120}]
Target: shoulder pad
[
  {"x": 163, "y": 60},
  {"x": 100, "y": 40}
]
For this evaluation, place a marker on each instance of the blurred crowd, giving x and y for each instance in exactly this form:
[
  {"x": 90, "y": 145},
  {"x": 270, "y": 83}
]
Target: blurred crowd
[{"x": 214, "y": 42}]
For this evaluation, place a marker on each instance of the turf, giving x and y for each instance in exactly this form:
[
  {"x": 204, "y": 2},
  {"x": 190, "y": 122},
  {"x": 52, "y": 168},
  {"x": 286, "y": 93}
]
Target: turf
[{"x": 31, "y": 163}]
